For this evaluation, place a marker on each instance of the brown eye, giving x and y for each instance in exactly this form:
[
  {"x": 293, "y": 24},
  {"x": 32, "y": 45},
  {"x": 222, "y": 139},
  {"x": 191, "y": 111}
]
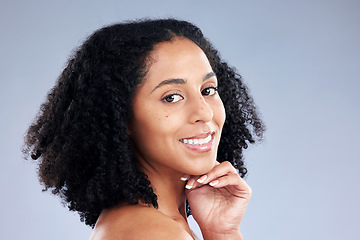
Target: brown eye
[
  {"x": 210, "y": 91},
  {"x": 173, "y": 98}
]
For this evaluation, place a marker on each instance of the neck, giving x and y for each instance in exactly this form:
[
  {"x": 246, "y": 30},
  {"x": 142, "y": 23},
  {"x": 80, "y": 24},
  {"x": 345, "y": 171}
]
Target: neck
[{"x": 170, "y": 191}]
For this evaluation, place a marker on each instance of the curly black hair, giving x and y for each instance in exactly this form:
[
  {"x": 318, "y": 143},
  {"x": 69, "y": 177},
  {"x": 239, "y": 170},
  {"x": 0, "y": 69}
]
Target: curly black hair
[{"x": 80, "y": 133}]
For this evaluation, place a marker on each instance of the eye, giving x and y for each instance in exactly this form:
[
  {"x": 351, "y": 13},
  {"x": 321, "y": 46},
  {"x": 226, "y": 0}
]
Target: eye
[
  {"x": 172, "y": 98},
  {"x": 210, "y": 91}
]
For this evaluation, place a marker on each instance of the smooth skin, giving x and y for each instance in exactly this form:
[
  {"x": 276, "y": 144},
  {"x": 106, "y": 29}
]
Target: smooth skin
[{"x": 176, "y": 103}]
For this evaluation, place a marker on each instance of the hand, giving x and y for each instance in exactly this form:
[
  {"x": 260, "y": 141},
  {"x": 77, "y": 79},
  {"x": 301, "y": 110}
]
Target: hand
[{"x": 218, "y": 200}]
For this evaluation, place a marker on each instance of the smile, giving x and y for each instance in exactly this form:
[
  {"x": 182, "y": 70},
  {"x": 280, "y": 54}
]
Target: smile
[
  {"x": 200, "y": 143},
  {"x": 197, "y": 141}
]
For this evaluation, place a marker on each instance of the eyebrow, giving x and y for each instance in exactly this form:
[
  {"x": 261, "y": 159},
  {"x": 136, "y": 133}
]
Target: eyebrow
[
  {"x": 181, "y": 81},
  {"x": 209, "y": 75}
]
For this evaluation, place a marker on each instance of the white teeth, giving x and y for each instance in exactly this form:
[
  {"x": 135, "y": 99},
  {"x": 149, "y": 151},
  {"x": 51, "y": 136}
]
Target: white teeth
[{"x": 195, "y": 141}]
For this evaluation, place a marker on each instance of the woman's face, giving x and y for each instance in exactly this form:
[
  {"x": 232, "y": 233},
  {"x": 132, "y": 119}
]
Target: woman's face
[{"x": 178, "y": 114}]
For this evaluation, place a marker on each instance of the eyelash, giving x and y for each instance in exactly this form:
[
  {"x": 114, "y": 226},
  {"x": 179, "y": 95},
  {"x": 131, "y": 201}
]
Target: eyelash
[
  {"x": 167, "y": 98},
  {"x": 171, "y": 96},
  {"x": 210, "y": 88}
]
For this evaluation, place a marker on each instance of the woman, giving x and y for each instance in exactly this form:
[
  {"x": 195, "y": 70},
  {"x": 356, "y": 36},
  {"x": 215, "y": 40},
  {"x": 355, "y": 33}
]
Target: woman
[{"x": 130, "y": 135}]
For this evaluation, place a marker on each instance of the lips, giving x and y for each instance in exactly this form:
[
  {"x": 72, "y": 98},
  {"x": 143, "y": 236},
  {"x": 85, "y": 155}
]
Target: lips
[{"x": 199, "y": 143}]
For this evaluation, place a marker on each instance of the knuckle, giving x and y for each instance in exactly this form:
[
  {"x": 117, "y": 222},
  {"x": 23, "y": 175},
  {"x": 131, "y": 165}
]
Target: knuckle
[
  {"x": 227, "y": 164},
  {"x": 250, "y": 191}
]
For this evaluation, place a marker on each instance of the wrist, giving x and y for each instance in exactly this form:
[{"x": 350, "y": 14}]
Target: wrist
[{"x": 233, "y": 235}]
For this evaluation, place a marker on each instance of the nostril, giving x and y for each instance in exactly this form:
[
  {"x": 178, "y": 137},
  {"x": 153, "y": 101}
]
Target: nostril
[{"x": 201, "y": 111}]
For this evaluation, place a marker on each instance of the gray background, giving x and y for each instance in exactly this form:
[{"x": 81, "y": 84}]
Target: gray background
[{"x": 301, "y": 60}]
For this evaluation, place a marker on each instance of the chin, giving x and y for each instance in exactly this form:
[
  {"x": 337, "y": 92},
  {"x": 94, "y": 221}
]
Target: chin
[{"x": 202, "y": 169}]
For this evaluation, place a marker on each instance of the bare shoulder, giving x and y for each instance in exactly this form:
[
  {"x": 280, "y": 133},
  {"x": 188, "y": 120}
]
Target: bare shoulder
[{"x": 137, "y": 222}]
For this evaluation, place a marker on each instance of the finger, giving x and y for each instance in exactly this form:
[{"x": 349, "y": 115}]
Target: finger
[
  {"x": 185, "y": 177},
  {"x": 234, "y": 184},
  {"x": 199, "y": 179},
  {"x": 191, "y": 183},
  {"x": 219, "y": 170}
]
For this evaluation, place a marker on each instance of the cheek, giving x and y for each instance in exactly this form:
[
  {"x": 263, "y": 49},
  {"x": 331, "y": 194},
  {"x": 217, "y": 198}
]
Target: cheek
[
  {"x": 169, "y": 123},
  {"x": 219, "y": 113},
  {"x": 155, "y": 125}
]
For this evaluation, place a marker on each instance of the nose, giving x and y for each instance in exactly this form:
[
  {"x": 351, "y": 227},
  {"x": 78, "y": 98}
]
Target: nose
[{"x": 200, "y": 110}]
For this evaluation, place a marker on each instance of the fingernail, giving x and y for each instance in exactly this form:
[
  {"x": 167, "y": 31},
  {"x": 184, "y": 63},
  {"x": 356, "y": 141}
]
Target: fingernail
[
  {"x": 202, "y": 179},
  {"x": 213, "y": 183},
  {"x": 188, "y": 186},
  {"x": 183, "y": 179}
]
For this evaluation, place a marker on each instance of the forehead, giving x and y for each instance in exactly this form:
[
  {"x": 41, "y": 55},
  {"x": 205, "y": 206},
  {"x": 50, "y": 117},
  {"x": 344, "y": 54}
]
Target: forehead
[
  {"x": 179, "y": 58},
  {"x": 174, "y": 48}
]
